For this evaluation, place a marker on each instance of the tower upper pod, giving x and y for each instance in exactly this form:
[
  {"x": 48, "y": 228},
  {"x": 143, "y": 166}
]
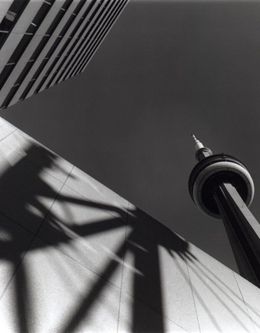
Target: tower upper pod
[{"x": 211, "y": 171}]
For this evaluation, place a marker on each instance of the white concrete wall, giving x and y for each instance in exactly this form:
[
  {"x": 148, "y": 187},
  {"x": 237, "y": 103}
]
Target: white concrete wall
[{"x": 77, "y": 257}]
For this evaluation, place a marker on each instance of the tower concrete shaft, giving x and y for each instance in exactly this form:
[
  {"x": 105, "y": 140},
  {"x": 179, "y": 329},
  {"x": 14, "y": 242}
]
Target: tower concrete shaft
[{"x": 222, "y": 187}]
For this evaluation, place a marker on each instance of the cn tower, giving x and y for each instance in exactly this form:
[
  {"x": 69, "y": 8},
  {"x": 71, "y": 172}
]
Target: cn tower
[{"x": 222, "y": 187}]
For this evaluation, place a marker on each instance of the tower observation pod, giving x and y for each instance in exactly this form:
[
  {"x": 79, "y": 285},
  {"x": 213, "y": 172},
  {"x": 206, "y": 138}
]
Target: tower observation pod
[{"x": 221, "y": 186}]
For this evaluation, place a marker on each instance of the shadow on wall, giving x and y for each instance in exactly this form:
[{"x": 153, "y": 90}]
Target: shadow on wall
[
  {"x": 143, "y": 241},
  {"x": 183, "y": 66}
]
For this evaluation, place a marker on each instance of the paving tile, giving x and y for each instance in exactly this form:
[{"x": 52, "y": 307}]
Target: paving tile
[
  {"x": 87, "y": 233},
  {"x": 91, "y": 188},
  {"x": 5, "y": 123},
  {"x": 20, "y": 145},
  {"x": 14, "y": 241},
  {"x": 220, "y": 306},
  {"x": 52, "y": 293},
  {"x": 177, "y": 293},
  {"x": 155, "y": 271},
  {"x": 251, "y": 296},
  {"x": 138, "y": 318},
  {"x": 26, "y": 190},
  {"x": 5, "y": 129}
]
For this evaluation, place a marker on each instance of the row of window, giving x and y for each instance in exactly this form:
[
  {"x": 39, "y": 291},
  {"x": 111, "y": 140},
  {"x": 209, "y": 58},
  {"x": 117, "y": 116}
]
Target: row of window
[{"x": 55, "y": 60}]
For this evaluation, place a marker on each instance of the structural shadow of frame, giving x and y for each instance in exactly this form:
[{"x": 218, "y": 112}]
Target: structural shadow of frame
[{"x": 143, "y": 238}]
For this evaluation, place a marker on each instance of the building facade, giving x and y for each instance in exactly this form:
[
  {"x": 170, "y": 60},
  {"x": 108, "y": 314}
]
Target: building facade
[{"x": 43, "y": 43}]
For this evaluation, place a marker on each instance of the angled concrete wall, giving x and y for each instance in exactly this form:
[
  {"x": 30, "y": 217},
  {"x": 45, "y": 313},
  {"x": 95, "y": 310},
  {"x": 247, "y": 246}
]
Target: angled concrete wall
[
  {"x": 77, "y": 257},
  {"x": 183, "y": 66}
]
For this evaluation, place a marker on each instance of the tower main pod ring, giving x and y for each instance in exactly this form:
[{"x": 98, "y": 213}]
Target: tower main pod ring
[{"x": 214, "y": 170}]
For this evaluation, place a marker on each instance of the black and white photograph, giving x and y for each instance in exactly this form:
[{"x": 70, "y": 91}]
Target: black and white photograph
[{"x": 129, "y": 166}]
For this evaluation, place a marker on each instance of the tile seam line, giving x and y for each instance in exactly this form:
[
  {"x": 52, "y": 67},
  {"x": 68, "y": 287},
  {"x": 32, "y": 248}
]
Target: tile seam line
[
  {"x": 153, "y": 309},
  {"x": 44, "y": 219},
  {"x": 122, "y": 270},
  {"x": 69, "y": 173},
  {"x": 242, "y": 296},
  {"x": 84, "y": 196},
  {"x": 236, "y": 296},
  {"x": 159, "y": 313},
  {"x": 85, "y": 267},
  {"x": 14, "y": 221},
  {"x": 53, "y": 202},
  {"x": 138, "y": 299},
  {"x": 193, "y": 297},
  {"x": 17, "y": 267},
  {"x": 117, "y": 287},
  {"x": 5, "y": 137},
  {"x": 49, "y": 173},
  {"x": 34, "y": 235}
]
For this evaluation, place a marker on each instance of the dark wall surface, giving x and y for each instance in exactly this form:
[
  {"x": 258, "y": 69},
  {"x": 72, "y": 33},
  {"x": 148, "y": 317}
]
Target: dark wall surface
[{"x": 166, "y": 70}]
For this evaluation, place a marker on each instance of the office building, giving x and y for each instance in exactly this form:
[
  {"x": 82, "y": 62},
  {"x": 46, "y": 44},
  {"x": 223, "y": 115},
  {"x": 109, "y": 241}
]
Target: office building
[{"x": 43, "y": 43}]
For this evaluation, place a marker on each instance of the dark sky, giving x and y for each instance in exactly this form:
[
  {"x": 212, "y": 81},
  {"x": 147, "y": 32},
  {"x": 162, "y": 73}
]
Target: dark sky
[{"x": 166, "y": 70}]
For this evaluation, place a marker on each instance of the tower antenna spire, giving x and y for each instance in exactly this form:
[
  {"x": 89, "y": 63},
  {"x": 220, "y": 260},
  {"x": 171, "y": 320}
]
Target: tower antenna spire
[
  {"x": 198, "y": 143},
  {"x": 201, "y": 151}
]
